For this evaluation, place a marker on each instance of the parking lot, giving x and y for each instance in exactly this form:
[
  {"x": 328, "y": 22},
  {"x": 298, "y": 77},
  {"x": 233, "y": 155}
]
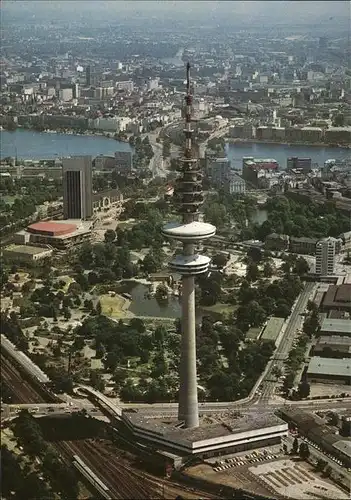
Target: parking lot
[
  {"x": 295, "y": 479},
  {"x": 240, "y": 461}
]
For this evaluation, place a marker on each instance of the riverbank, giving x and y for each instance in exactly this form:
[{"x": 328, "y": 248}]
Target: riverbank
[{"x": 232, "y": 140}]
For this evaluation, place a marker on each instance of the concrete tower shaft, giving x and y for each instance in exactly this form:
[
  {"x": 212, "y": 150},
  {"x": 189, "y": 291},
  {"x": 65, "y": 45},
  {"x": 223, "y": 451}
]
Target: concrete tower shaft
[{"x": 188, "y": 196}]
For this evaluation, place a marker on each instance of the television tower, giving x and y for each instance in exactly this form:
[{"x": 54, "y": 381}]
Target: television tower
[{"x": 189, "y": 264}]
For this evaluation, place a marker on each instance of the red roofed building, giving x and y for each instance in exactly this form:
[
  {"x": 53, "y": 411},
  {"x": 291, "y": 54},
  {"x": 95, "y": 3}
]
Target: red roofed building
[
  {"x": 51, "y": 228},
  {"x": 255, "y": 170},
  {"x": 60, "y": 235}
]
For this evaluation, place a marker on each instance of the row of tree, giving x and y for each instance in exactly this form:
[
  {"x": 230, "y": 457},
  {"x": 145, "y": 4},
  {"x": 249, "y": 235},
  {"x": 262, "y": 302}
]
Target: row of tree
[{"x": 61, "y": 478}]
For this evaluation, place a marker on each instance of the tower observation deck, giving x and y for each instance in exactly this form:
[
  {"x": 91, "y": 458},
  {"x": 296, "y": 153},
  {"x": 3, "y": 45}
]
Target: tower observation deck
[{"x": 190, "y": 232}]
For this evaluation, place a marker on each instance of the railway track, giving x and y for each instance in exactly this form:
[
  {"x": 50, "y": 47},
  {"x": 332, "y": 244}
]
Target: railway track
[
  {"x": 120, "y": 477},
  {"x": 121, "y": 481},
  {"x": 20, "y": 387}
]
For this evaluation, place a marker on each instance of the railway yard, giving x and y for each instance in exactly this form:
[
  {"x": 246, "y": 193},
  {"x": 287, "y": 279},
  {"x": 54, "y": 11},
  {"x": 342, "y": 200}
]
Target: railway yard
[{"x": 112, "y": 475}]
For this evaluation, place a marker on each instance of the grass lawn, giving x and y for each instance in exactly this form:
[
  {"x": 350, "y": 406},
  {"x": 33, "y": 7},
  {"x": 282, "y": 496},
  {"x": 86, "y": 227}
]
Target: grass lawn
[
  {"x": 68, "y": 280},
  {"x": 115, "y": 307},
  {"x": 220, "y": 308},
  {"x": 10, "y": 199}
]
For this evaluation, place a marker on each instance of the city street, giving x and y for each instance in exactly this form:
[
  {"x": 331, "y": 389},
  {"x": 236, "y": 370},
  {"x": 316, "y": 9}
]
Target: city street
[{"x": 294, "y": 323}]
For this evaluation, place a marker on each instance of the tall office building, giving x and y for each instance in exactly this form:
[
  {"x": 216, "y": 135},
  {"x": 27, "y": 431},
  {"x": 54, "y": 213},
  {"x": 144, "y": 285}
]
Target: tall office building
[
  {"x": 300, "y": 163},
  {"x": 77, "y": 187},
  {"x": 190, "y": 232},
  {"x": 325, "y": 256},
  {"x": 91, "y": 76},
  {"x": 124, "y": 161}
]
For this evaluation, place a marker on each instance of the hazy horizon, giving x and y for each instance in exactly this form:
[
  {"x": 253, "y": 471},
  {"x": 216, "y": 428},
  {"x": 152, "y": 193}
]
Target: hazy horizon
[{"x": 282, "y": 12}]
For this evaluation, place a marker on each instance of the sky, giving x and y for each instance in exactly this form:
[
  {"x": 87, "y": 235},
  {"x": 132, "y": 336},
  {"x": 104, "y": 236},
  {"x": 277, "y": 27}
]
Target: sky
[{"x": 279, "y": 11}]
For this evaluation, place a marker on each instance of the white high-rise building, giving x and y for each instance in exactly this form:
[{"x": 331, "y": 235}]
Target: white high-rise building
[{"x": 325, "y": 256}]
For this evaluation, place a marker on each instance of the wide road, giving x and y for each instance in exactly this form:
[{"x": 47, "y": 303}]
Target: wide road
[{"x": 285, "y": 345}]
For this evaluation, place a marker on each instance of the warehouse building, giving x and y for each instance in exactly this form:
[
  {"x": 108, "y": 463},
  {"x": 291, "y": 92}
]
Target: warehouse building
[
  {"x": 272, "y": 329},
  {"x": 333, "y": 346},
  {"x": 329, "y": 370},
  {"x": 340, "y": 327},
  {"x": 26, "y": 253},
  {"x": 303, "y": 245},
  {"x": 338, "y": 297}
]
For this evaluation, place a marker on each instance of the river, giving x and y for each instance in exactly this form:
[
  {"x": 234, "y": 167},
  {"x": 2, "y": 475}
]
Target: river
[{"x": 28, "y": 144}]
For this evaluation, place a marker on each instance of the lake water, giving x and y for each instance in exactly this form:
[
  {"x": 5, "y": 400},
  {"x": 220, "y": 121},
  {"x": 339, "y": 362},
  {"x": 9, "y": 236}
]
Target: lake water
[
  {"x": 28, "y": 144},
  {"x": 281, "y": 152},
  {"x": 142, "y": 306}
]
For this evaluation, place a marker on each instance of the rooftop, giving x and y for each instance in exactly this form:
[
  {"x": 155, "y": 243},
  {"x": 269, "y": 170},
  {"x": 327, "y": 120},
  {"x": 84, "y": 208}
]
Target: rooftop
[
  {"x": 30, "y": 250},
  {"x": 330, "y": 367},
  {"x": 337, "y": 295},
  {"x": 272, "y": 329},
  {"x": 56, "y": 228},
  {"x": 225, "y": 424},
  {"x": 334, "y": 340},
  {"x": 303, "y": 239},
  {"x": 336, "y": 326},
  {"x": 344, "y": 446}
]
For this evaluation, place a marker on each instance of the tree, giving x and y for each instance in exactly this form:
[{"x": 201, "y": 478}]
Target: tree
[
  {"x": 283, "y": 309},
  {"x": 119, "y": 377},
  {"x": 216, "y": 214},
  {"x": 311, "y": 324},
  {"x": 301, "y": 266},
  {"x": 277, "y": 372},
  {"x": 97, "y": 381},
  {"x": 252, "y": 271},
  {"x": 304, "y": 389},
  {"x": 304, "y": 451},
  {"x": 311, "y": 306},
  {"x": 137, "y": 324},
  {"x": 67, "y": 313},
  {"x": 295, "y": 446},
  {"x": 88, "y": 304},
  {"x": 339, "y": 120},
  {"x": 268, "y": 270},
  {"x": 286, "y": 267},
  {"x": 252, "y": 313},
  {"x": 98, "y": 308},
  {"x": 93, "y": 278},
  {"x": 254, "y": 254},
  {"x": 327, "y": 472},
  {"x": 321, "y": 464},
  {"x": 159, "y": 368},
  {"x": 110, "y": 236},
  {"x": 220, "y": 260},
  {"x": 149, "y": 264},
  {"x": 160, "y": 334},
  {"x": 100, "y": 351}
]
